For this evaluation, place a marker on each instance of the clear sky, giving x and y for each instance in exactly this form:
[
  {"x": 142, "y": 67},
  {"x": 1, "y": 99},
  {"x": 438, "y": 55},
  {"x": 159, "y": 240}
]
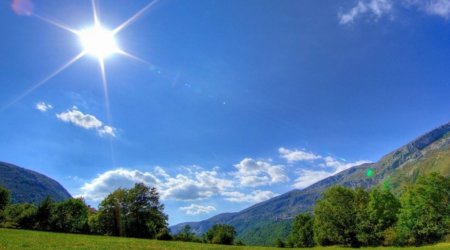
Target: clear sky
[{"x": 230, "y": 102}]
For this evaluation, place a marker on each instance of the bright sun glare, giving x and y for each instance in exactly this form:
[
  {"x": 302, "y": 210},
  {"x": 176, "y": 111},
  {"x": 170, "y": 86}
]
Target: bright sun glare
[
  {"x": 96, "y": 41},
  {"x": 99, "y": 42}
]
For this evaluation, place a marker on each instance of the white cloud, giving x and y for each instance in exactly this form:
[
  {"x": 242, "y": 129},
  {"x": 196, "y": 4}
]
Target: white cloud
[
  {"x": 254, "y": 196},
  {"x": 107, "y": 182},
  {"x": 195, "y": 209},
  {"x": 199, "y": 185},
  {"x": 339, "y": 165},
  {"x": 308, "y": 177},
  {"x": 43, "y": 107},
  {"x": 252, "y": 173},
  {"x": 86, "y": 121},
  {"x": 194, "y": 183},
  {"x": 376, "y": 8},
  {"x": 297, "y": 155},
  {"x": 432, "y": 7}
]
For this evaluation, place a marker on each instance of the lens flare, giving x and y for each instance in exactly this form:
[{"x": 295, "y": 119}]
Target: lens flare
[{"x": 370, "y": 172}]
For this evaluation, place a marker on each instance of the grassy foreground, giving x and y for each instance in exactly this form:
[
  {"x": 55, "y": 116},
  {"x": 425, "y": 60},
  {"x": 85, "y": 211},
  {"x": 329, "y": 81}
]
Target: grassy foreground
[{"x": 23, "y": 239}]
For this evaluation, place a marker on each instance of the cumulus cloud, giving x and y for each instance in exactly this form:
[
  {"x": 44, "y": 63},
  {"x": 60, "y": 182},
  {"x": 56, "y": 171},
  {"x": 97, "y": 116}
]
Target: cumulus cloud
[
  {"x": 297, "y": 155},
  {"x": 107, "y": 182},
  {"x": 86, "y": 121},
  {"x": 252, "y": 173},
  {"x": 43, "y": 107},
  {"x": 254, "y": 196},
  {"x": 195, "y": 209},
  {"x": 194, "y": 183},
  {"x": 199, "y": 185},
  {"x": 378, "y": 8}
]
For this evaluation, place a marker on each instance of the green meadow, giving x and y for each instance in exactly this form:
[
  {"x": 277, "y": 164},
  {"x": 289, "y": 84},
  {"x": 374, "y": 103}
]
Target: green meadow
[{"x": 25, "y": 239}]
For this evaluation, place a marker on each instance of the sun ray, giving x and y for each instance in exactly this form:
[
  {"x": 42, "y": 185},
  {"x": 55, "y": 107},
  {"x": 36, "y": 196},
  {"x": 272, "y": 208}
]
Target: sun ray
[
  {"x": 134, "y": 17},
  {"x": 101, "y": 62},
  {"x": 133, "y": 57},
  {"x": 95, "y": 13},
  {"x": 45, "y": 80},
  {"x": 55, "y": 23}
]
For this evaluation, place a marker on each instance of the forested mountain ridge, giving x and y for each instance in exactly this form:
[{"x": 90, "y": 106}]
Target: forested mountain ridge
[
  {"x": 263, "y": 223},
  {"x": 28, "y": 186}
]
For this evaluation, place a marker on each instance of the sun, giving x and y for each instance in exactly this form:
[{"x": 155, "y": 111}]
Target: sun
[{"x": 98, "y": 42}]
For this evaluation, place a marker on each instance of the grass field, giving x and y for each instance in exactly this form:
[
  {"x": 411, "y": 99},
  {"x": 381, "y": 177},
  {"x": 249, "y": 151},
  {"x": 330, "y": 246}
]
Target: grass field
[{"x": 23, "y": 239}]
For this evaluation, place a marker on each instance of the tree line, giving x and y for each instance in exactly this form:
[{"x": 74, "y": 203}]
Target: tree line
[
  {"x": 135, "y": 212},
  {"x": 356, "y": 217}
]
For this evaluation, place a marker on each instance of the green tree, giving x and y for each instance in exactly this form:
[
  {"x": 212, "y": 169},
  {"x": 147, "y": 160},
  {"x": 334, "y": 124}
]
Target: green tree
[
  {"x": 70, "y": 216},
  {"x": 376, "y": 212},
  {"x": 220, "y": 234},
  {"x": 93, "y": 221},
  {"x": 19, "y": 216},
  {"x": 111, "y": 213},
  {"x": 5, "y": 197},
  {"x": 44, "y": 214},
  {"x": 145, "y": 216},
  {"x": 382, "y": 210},
  {"x": 302, "y": 234},
  {"x": 4, "y": 200},
  {"x": 136, "y": 212},
  {"x": 425, "y": 214},
  {"x": 363, "y": 223},
  {"x": 335, "y": 217}
]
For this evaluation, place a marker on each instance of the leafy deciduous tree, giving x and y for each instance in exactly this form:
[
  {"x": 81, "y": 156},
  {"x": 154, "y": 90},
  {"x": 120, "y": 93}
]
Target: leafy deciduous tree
[
  {"x": 425, "y": 214},
  {"x": 334, "y": 218},
  {"x": 302, "y": 234}
]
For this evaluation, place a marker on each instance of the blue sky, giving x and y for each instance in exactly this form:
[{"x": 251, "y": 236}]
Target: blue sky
[{"x": 234, "y": 101}]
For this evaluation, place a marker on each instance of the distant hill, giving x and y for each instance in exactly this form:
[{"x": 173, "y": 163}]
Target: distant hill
[
  {"x": 29, "y": 186},
  {"x": 263, "y": 223}
]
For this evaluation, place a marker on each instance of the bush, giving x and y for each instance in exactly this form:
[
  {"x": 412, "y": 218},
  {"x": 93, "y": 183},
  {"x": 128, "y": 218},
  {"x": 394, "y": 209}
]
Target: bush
[
  {"x": 185, "y": 234},
  {"x": 279, "y": 243},
  {"x": 19, "y": 216},
  {"x": 239, "y": 243},
  {"x": 164, "y": 234},
  {"x": 220, "y": 234}
]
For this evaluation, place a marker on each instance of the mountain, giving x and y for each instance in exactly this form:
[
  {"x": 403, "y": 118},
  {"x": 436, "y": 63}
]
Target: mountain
[
  {"x": 29, "y": 186},
  {"x": 263, "y": 223}
]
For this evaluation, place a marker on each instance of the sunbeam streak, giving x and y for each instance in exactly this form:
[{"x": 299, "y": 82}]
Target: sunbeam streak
[
  {"x": 135, "y": 58},
  {"x": 95, "y": 13},
  {"x": 54, "y": 23},
  {"x": 101, "y": 62},
  {"x": 134, "y": 17},
  {"x": 45, "y": 80}
]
